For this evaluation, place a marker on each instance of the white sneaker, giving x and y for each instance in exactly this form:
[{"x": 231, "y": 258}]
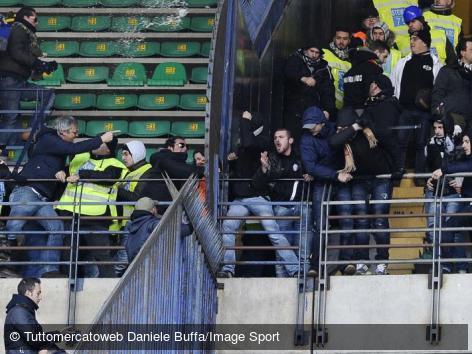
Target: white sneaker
[
  {"x": 381, "y": 269},
  {"x": 362, "y": 269}
]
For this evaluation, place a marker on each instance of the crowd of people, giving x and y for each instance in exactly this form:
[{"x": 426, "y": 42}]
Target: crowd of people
[{"x": 351, "y": 111}]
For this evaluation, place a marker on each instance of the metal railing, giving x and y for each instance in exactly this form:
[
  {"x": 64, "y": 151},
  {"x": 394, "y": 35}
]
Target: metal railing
[
  {"x": 172, "y": 279},
  {"x": 327, "y": 264}
]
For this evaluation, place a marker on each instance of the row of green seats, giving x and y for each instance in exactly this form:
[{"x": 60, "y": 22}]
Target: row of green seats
[
  {"x": 127, "y": 74},
  {"x": 113, "y": 101},
  {"x": 143, "y": 129},
  {"x": 125, "y": 24},
  {"x": 103, "y": 48},
  {"x": 110, "y": 3}
]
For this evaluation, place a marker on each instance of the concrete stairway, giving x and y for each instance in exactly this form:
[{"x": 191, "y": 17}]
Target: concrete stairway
[{"x": 406, "y": 190}]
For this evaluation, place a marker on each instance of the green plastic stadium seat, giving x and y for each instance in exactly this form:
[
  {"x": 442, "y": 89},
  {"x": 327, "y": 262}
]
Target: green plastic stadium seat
[
  {"x": 116, "y": 101},
  {"x": 201, "y": 3},
  {"x": 205, "y": 50},
  {"x": 128, "y": 74},
  {"x": 149, "y": 152},
  {"x": 118, "y": 3},
  {"x": 60, "y": 48},
  {"x": 193, "y": 102},
  {"x": 169, "y": 74},
  {"x": 90, "y": 23},
  {"x": 129, "y": 24},
  {"x": 136, "y": 49},
  {"x": 169, "y": 23},
  {"x": 81, "y": 125},
  {"x": 80, "y": 3},
  {"x": 74, "y": 101},
  {"x": 88, "y": 74},
  {"x": 95, "y": 127},
  {"x": 202, "y": 23},
  {"x": 41, "y": 3},
  {"x": 188, "y": 129},
  {"x": 149, "y": 128},
  {"x": 53, "y": 23},
  {"x": 98, "y": 49},
  {"x": 14, "y": 155},
  {"x": 180, "y": 49},
  {"x": 10, "y": 2},
  {"x": 56, "y": 78},
  {"x": 28, "y": 105},
  {"x": 158, "y": 101},
  {"x": 199, "y": 75}
]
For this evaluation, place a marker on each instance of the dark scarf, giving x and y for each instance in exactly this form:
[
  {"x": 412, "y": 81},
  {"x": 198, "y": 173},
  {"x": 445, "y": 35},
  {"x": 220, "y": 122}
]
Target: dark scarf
[
  {"x": 310, "y": 63},
  {"x": 340, "y": 53}
]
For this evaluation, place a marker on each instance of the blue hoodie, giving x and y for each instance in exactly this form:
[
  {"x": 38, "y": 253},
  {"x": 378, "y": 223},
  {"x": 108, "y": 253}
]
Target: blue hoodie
[{"x": 317, "y": 157}]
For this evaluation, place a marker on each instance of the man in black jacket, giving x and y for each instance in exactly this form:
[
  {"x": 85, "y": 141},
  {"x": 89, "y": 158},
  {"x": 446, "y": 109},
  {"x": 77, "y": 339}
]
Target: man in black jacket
[
  {"x": 365, "y": 155},
  {"x": 17, "y": 64},
  {"x": 21, "y": 318},
  {"x": 357, "y": 80},
  {"x": 47, "y": 160},
  {"x": 308, "y": 82},
  {"x": 452, "y": 91},
  {"x": 171, "y": 160},
  {"x": 285, "y": 163},
  {"x": 250, "y": 199}
]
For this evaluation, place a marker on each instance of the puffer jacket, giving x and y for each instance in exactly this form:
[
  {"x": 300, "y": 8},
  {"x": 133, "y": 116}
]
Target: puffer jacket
[
  {"x": 142, "y": 223},
  {"x": 22, "y": 51}
]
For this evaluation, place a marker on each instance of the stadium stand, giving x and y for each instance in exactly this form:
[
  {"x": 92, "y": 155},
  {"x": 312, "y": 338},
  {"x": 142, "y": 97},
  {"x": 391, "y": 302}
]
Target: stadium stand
[{"x": 125, "y": 45}]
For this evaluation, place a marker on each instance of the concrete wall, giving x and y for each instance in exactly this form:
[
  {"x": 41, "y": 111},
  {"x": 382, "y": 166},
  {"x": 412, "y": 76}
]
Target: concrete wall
[
  {"x": 368, "y": 300},
  {"x": 53, "y": 307}
]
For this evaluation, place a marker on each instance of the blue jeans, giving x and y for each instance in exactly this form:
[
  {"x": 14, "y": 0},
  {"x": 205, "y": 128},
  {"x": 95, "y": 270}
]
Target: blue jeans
[
  {"x": 10, "y": 100},
  {"x": 344, "y": 193},
  {"x": 378, "y": 189},
  {"x": 271, "y": 226},
  {"x": 31, "y": 239},
  {"x": 421, "y": 135},
  {"x": 456, "y": 237},
  {"x": 26, "y": 195},
  {"x": 304, "y": 236}
]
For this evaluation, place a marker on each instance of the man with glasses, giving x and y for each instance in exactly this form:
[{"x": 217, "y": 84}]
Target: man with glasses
[
  {"x": 47, "y": 160},
  {"x": 170, "y": 160},
  {"x": 18, "y": 64}
]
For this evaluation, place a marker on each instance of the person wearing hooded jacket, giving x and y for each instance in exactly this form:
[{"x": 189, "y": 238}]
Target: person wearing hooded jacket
[
  {"x": 321, "y": 162},
  {"x": 308, "y": 82}
]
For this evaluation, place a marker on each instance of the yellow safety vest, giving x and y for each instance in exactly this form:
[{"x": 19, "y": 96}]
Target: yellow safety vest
[
  {"x": 91, "y": 192},
  {"x": 450, "y": 24},
  {"x": 438, "y": 44},
  {"x": 391, "y": 12},
  {"x": 338, "y": 69},
  {"x": 131, "y": 186},
  {"x": 392, "y": 60}
]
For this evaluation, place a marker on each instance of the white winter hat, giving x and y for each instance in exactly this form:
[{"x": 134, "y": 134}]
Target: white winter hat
[{"x": 136, "y": 149}]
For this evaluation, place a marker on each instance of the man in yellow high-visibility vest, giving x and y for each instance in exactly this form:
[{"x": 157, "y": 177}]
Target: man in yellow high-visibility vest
[
  {"x": 87, "y": 198},
  {"x": 337, "y": 57},
  {"x": 441, "y": 18},
  {"x": 391, "y": 12}
]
